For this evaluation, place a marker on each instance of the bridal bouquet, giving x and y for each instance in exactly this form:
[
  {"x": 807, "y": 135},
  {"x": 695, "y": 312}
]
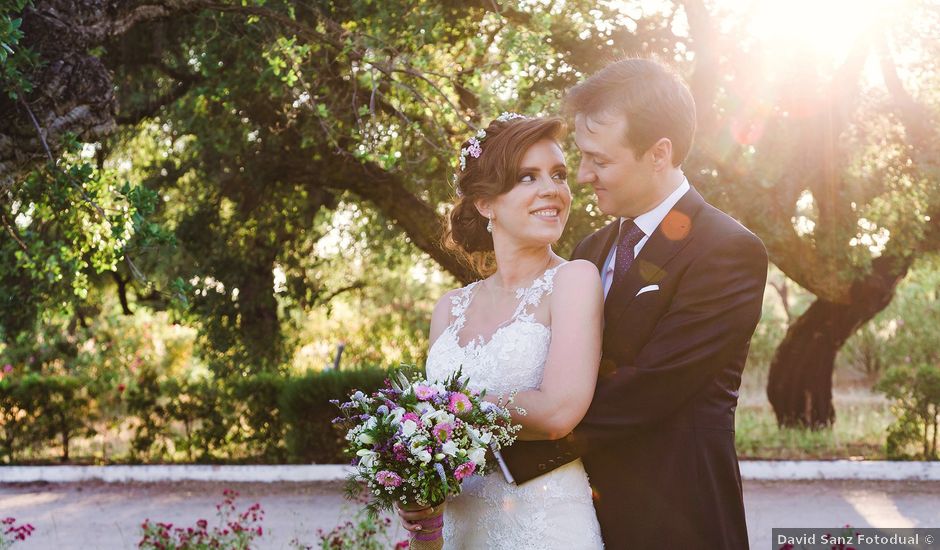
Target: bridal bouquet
[{"x": 415, "y": 440}]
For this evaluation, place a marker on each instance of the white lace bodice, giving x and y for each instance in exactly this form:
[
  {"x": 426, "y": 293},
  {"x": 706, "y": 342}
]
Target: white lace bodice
[
  {"x": 555, "y": 511},
  {"x": 512, "y": 358}
]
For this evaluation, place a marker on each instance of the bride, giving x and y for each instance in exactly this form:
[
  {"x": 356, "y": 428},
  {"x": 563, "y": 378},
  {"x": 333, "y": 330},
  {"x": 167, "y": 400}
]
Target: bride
[{"x": 532, "y": 326}]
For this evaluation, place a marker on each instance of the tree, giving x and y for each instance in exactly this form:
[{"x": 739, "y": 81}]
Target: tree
[
  {"x": 860, "y": 165},
  {"x": 273, "y": 110},
  {"x": 64, "y": 219}
]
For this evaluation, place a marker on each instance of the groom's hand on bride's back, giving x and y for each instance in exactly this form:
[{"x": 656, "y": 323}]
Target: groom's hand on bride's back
[{"x": 409, "y": 518}]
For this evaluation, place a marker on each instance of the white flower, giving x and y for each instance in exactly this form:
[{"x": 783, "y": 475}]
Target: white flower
[
  {"x": 352, "y": 433},
  {"x": 368, "y": 458},
  {"x": 365, "y": 439},
  {"x": 396, "y": 415},
  {"x": 485, "y": 438},
  {"x": 449, "y": 448},
  {"x": 478, "y": 456},
  {"x": 419, "y": 450},
  {"x": 507, "y": 116},
  {"x": 423, "y": 407},
  {"x": 474, "y": 435},
  {"x": 408, "y": 427},
  {"x": 481, "y": 134},
  {"x": 437, "y": 416}
]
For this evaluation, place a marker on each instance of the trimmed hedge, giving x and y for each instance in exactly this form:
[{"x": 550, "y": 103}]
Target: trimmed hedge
[
  {"x": 308, "y": 413},
  {"x": 266, "y": 418}
]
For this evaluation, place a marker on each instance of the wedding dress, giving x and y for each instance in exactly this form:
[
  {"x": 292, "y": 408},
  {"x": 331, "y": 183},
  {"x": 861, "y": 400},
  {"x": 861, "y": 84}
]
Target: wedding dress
[{"x": 554, "y": 511}]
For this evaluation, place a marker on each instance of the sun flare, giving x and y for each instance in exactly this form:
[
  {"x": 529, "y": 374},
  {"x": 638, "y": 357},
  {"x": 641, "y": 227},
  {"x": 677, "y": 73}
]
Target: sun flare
[{"x": 823, "y": 28}]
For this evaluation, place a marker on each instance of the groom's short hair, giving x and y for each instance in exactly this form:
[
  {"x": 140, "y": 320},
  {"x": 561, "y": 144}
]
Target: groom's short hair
[{"x": 655, "y": 100}]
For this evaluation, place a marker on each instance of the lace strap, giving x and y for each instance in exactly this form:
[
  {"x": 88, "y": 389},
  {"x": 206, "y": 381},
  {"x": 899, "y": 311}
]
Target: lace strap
[
  {"x": 459, "y": 303},
  {"x": 532, "y": 295}
]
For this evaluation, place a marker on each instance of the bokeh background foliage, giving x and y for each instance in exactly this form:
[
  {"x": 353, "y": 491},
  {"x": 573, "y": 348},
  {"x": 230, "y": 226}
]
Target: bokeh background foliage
[{"x": 203, "y": 202}]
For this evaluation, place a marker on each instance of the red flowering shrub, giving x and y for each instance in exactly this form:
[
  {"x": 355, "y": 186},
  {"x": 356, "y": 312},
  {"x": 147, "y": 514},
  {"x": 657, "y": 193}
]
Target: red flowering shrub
[
  {"x": 10, "y": 532},
  {"x": 235, "y": 530}
]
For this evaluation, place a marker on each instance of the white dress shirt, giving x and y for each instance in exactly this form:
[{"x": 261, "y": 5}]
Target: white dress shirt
[{"x": 647, "y": 222}]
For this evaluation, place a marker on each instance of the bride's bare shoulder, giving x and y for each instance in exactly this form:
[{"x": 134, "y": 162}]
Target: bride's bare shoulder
[
  {"x": 577, "y": 273},
  {"x": 577, "y": 288}
]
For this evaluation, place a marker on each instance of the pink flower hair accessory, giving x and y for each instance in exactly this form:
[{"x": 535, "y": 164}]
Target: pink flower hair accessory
[{"x": 474, "y": 146}]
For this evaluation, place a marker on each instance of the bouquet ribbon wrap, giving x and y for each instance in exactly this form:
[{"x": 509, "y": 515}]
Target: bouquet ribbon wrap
[{"x": 431, "y": 536}]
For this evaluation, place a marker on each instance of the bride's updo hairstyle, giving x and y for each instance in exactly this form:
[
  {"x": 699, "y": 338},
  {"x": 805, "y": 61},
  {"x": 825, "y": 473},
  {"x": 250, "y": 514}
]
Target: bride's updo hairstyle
[{"x": 494, "y": 171}]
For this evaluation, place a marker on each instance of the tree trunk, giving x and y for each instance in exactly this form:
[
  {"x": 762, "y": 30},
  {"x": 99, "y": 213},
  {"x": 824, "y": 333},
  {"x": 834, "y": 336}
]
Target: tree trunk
[
  {"x": 65, "y": 443},
  {"x": 73, "y": 91},
  {"x": 933, "y": 447},
  {"x": 258, "y": 320},
  {"x": 122, "y": 292},
  {"x": 800, "y": 382}
]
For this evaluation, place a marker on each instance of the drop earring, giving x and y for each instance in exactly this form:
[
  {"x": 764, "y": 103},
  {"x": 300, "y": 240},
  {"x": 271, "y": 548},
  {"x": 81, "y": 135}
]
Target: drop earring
[{"x": 489, "y": 226}]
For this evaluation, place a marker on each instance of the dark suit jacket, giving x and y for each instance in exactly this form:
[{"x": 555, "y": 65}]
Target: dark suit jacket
[{"x": 658, "y": 439}]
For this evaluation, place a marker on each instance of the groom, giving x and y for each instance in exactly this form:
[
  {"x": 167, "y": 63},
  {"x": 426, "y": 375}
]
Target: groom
[{"x": 683, "y": 283}]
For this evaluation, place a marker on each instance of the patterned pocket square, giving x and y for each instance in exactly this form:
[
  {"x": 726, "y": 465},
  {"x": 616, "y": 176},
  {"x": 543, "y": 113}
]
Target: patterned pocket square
[{"x": 649, "y": 288}]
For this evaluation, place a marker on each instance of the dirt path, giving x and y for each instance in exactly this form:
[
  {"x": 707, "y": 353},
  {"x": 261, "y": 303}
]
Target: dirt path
[{"x": 107, "y": 516}]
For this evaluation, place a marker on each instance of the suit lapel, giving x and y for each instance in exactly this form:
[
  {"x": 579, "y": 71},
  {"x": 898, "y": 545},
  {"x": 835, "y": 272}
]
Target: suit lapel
[
  {"x": 599, "y": 248},
  {"x": 671, "y": 236}
]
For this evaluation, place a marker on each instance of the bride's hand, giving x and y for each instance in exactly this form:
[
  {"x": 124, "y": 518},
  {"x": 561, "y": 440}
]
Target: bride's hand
[{"x": 409, "y": 518}]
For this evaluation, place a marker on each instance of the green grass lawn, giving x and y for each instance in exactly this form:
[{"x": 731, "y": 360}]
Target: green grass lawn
[
  {"x": 862, "y": 420},
  {"x": 858, "y": 432}
]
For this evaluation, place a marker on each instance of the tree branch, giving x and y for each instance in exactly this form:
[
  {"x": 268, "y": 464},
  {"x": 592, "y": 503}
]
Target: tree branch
[
  {"x": 355, "y": 286},
  {"x": 423, "y": 225},
  {"x": 11, "y": 229},
  {"x": 916, "y": 118},
  {"x": 122, "y": 292},
  {"x": 185, "y": 83},
  {"x": 107, "y": 26}
]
